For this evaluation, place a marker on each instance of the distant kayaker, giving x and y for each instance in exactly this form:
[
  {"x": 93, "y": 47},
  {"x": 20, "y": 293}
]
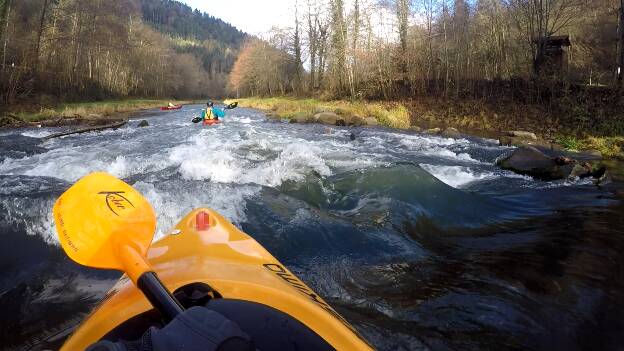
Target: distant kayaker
[{"x": 212, "y": 113}]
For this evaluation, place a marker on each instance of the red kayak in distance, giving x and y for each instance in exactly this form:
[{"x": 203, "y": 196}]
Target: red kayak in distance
[
  {"x": 169, "y": 108},
  {"x": 211, "y": 122}
]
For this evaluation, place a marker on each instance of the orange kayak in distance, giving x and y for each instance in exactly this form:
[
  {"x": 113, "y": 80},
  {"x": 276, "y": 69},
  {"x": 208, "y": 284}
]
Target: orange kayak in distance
[
  {"x": 211, "y": 122},
  {"x": 168, "y": 108}
]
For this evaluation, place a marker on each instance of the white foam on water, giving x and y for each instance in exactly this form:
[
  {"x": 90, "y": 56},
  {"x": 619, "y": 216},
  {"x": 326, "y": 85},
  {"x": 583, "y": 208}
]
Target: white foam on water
[
  {"x": 456, "y": 176},
  {"x": 34, "y": 215},
  {"x": 41, "y": 133},
  {"x": 558, "y": 183},
  {"x": 173, "y": 202},
  {"x": 244, "y": 120},
  {"x": 251, "y": 161},
  {"x": 72, "y": 163}
]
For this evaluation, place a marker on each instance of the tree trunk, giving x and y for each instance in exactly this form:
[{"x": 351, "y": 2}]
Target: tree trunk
[
  {"x": 339, "y": 33},
  {"x": 620, "y": 48},
  {"x": 403, "y": 15},
  {"x": 44, "y": 10},
  {"x": 5, "y": 36}
]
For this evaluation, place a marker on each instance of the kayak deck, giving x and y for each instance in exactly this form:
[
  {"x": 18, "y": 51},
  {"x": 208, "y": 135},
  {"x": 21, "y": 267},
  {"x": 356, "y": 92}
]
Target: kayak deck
[
  {"x": 211, "y": 122},
  {"x": 168, "y": 108},
  {"x": 206, "y": 248}
]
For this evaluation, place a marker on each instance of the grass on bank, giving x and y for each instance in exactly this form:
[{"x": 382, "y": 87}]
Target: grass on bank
[
  {"x": 465, "y": 116},
  {"x": 394, "y": 115},
  {"x": 95, "y": 109},
  {"x": 609, "y": 147}
]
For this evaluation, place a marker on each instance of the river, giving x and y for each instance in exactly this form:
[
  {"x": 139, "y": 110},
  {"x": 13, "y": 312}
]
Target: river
[{"x": 419, "y": 241}]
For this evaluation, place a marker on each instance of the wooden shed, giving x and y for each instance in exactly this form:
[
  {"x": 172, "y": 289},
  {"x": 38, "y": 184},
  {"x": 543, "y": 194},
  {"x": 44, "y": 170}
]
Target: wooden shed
[{"x": 551, "y": 55}]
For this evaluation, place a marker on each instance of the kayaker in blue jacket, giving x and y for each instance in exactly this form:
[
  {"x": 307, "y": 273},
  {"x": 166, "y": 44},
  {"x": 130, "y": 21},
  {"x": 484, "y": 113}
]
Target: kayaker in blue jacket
[{"x": 213, "y": 113}]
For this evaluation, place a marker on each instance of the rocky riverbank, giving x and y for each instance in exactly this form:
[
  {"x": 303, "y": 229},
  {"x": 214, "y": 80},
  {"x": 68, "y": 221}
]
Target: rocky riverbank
[
  {"x": 543, "y": 128},
  {"x": 92, "y": 114},
  {"x": 540, "y": 157}
]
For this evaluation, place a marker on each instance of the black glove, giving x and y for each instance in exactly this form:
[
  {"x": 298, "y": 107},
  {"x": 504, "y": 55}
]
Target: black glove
[{"x": 197, "y": 329}]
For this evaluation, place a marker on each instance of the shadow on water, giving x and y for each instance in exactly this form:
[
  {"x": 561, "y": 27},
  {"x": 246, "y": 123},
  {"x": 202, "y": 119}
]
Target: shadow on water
[
  {"x": 482, "y": 289},
  {"x": 42, "y": 294}
]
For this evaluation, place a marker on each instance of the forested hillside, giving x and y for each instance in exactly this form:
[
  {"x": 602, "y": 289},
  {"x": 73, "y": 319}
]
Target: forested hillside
[
  {"x": 563, "y": 54},
  {"x": 94, "y": 49},
  {"x": 377, "y": 48}
]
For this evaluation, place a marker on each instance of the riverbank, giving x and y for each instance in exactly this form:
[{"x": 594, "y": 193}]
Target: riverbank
[
  {"x": 389, "y": 114},
  {"x": 469, "y": 117},
  {"x": 79, "y": 113}
]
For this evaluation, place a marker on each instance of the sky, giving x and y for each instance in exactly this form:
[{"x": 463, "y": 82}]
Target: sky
[{"x": 251, "y": 16}]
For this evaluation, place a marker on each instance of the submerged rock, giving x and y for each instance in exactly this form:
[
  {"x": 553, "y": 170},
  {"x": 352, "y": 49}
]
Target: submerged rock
[
  {"x": 604, "y": 180},
  {"x": 143, "y": 123},
  {"x": 272, "y": 116}
]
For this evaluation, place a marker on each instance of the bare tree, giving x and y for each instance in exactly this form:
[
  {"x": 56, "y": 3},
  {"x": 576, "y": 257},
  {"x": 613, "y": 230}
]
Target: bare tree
[
  {"x": 338, "y": 46},
  {"x": 403, "y": 12},
  {"x": 620, "y": 47},
  {"x": 540, "y": 19}
]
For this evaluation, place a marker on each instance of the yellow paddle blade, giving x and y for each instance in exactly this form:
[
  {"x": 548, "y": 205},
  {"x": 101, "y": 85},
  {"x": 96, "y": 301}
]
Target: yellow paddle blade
[{"x": 103, "y": 222}]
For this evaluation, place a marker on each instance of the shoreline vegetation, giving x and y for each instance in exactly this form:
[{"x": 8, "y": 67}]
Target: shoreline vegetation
[
  {"x": 470, "y": 117},
  {"x": 79, "y": 113}
]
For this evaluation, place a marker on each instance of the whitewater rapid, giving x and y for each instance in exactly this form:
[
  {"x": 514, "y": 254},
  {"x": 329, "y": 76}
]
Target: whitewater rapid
[
  {"x": 420, "y": 241},
  {"x": 245, "y": 150}
]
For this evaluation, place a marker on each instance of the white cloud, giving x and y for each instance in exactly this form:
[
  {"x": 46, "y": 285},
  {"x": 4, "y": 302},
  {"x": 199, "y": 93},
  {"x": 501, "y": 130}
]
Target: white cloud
[{"x": 251, "y": 16}]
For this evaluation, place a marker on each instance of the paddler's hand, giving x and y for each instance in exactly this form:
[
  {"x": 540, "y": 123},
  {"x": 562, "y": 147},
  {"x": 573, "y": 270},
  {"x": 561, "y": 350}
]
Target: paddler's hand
[{"x": 196, "y": 329}]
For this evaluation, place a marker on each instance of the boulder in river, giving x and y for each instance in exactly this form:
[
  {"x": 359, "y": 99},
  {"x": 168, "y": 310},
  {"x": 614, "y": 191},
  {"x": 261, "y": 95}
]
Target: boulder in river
[
  {"x": 371, "y": 121},
  {"x": 302, "y": 117},
  {"x": 416, "y": 129},
  {"x": 272, "y": 116},
  {"x": 143, "y": 123},
  {"x": 451, "y": 133},
  {"x": 327, "y": 118},
  {"x": 604, "y": 180},
  {"x": 580, "y": 170},
  {"x": 355, "y": 121},
  {"x": 528, "y": 160}
]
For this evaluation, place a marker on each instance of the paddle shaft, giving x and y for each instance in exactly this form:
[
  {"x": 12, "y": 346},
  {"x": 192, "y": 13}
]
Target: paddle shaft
[{"x": 159, "y": 296}]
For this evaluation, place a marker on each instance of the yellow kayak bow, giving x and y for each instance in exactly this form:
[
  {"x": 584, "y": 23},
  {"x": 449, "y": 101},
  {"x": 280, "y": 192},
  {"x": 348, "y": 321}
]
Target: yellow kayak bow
[{"x": 103, "y": 222}]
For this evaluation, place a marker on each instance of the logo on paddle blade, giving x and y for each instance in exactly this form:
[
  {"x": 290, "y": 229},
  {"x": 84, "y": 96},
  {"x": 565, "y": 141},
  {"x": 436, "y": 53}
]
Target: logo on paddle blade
[{"x": 116, "y": 201}]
